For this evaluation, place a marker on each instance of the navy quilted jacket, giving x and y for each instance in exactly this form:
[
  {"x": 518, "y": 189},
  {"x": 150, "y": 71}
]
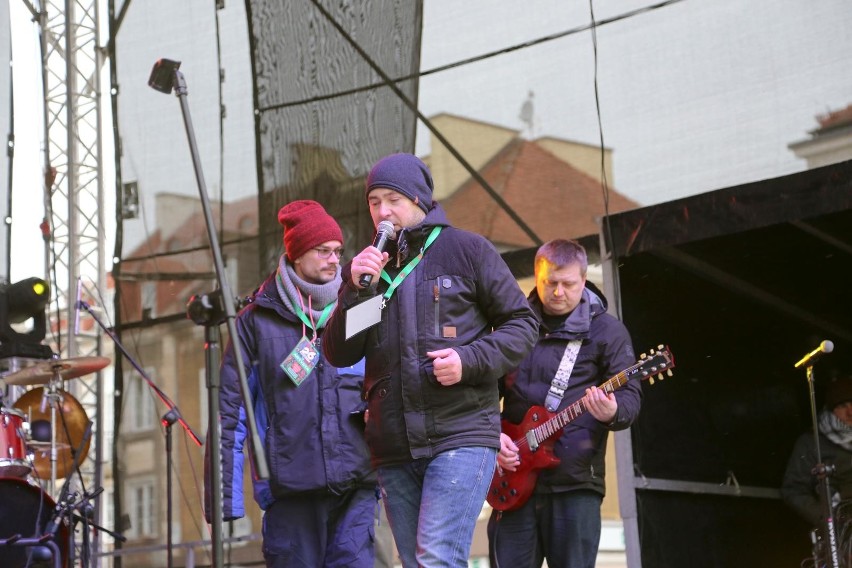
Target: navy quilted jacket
[{"x": 313, "y": 434}]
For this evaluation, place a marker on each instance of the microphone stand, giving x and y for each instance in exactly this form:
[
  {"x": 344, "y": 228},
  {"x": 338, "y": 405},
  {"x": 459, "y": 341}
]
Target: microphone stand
[
  {"x": 166, "y": 77},
  {"x": 823, "y": 472},
  {"x": 169, "y": 418}
]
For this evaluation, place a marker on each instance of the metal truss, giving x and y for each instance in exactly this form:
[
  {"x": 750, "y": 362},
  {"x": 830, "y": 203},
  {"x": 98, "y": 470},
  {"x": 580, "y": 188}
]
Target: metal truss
[{"x": 71, "y": 66}]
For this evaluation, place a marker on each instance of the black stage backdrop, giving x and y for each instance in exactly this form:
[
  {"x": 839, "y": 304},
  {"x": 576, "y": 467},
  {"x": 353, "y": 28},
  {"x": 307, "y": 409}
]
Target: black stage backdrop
[
  {"x": 741, "y": 283},
  {"x": 315, "y": 146}
]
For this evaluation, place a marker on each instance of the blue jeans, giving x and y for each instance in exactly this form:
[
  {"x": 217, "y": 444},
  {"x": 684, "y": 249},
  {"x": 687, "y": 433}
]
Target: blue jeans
[
  {"x": 564, "y": 528},
  {"x": 433, "y": 503}
]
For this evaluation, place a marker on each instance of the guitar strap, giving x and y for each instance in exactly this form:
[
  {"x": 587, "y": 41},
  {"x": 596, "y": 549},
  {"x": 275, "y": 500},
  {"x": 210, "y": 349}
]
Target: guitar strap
[{"x": 563, "y": 373}]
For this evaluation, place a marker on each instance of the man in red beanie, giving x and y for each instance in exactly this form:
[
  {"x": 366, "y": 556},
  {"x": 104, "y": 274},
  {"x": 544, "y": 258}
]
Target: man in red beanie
[
  {"x": 800, "y": 489},
  {"x": 320, "y": 498},
  {"x": 451, "y": 321}
]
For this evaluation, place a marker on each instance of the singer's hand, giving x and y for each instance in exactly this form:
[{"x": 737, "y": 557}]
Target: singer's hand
[
  {"x": 447, "y": 365},
  {"x": 368, "y": 261}
]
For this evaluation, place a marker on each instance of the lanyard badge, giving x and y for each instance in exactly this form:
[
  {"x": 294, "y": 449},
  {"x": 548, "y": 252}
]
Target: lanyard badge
[{"x": 301, "y": 361}]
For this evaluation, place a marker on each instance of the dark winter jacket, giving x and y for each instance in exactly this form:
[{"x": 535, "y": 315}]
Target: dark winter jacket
[
  {"x": 800, "y": 488},
  {"x": 461, "y": 296},
  {"x": 313, "y": 434},
  {"x": 606, "y": 350}
]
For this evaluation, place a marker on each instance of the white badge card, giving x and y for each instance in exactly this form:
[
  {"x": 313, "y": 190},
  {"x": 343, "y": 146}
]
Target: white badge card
[
  {"x": 363, "y": 316},
  {"x": 301, "y": 361}
]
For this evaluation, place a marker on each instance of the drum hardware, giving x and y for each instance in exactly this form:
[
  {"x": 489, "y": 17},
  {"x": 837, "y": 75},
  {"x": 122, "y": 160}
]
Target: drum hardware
[
  {"x": 36, "y": 530},
  {"x": 68, "y": 430},
  {"x": 54, "y": 369},
  {"x": 66, "y": 419},
  {"x": 25, "y": 512},
  {"x": 56, "y": 433},
  {"x": 13, "y": 436}
]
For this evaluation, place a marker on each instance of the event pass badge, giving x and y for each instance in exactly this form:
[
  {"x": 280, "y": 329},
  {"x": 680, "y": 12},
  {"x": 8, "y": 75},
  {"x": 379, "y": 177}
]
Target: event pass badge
[
  {"x": 364, "y": 315},
  {"x": 301, "y": 361}
]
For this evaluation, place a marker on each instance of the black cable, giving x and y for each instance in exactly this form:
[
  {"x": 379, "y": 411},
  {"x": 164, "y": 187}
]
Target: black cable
[
  {"x": 412, "y": 106},
  {"x": 474, "y": 59}
]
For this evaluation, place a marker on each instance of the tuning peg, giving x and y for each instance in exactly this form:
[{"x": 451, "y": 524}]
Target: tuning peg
[
  {"x": 661, "y": 376},
  {"x": 660, "y": 347},
  {"x": 651, "y": 381},
  {"x": 643, "y": 356},
  {"x": 669, "y": 373}
]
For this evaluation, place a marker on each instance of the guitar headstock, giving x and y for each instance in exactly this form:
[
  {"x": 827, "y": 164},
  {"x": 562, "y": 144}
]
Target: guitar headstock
[{"x": 658, "y": 363}]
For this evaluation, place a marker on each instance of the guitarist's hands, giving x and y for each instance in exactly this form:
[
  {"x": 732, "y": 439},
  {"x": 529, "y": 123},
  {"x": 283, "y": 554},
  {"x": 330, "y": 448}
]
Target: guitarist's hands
[
  {"x": 600, "y": 404},
  {"x": 508, "y": 457}
]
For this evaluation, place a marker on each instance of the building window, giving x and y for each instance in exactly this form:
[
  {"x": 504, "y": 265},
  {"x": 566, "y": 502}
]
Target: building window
[
  {"x": 107, "y": 508},
  {"x": 149, "y": 300},
  {"x": 139, "y": 405},
  {"x": 232, "y": 273},
  {"x": 130, "y": 200},
  {"x": 141, "y": 508}
]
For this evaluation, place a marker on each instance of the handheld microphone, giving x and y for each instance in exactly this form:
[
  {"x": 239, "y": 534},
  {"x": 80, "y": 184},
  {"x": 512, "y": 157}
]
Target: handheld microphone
[
  {"x": 824, "y": 347},
  {"x": 77, "y": 305},
  {"x": 384, "y": 233}
]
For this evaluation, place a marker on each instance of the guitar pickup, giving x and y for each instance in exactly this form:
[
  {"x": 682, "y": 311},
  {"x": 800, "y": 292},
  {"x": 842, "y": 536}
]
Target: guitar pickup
[{"x": 532, "y": 443}]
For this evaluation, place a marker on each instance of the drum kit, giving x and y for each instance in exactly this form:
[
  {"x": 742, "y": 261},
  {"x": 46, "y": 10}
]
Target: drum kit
[{"x": 44, "y": 436}]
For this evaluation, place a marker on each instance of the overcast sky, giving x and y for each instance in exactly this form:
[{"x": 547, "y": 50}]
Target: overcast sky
[{"x": 694, "y": 96}]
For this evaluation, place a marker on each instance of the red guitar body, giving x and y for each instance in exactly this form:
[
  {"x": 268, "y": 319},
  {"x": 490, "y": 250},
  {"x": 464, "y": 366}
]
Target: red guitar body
[
  {"x": 511, "y": 489},
  {"x": 539, "y": 429}
]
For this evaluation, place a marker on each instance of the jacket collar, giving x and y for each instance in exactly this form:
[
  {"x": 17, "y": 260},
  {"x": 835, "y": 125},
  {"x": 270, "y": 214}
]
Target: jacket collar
[
  {"x": 267, "y": 297},
  {"x": 411, "y": 239}
]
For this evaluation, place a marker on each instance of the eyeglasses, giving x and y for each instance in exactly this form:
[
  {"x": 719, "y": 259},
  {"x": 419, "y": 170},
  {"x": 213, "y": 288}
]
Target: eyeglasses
[{"x": 325, "y": 252}]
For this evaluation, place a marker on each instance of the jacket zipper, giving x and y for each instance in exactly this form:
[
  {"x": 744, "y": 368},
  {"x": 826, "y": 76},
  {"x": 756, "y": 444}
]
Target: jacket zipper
[{"x": 437, "y": 295}]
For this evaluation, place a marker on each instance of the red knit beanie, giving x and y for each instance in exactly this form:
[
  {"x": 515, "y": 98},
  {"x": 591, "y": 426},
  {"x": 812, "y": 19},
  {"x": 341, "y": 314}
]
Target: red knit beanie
[{"x": 306, "y": 225}]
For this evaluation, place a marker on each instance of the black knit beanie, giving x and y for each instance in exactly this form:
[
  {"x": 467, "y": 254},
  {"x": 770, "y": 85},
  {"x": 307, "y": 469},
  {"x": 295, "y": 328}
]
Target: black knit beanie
[{"x": 406, "y": 174}]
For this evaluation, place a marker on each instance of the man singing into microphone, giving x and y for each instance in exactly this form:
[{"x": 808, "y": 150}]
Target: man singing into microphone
[{"x": 451, "y": 321}]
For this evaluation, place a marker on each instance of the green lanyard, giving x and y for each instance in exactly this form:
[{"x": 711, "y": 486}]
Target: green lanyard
[
  {"x": 394, "y": 284},
  {"x": 304, "y": 317},
  {"x": 320, "y": 322}
]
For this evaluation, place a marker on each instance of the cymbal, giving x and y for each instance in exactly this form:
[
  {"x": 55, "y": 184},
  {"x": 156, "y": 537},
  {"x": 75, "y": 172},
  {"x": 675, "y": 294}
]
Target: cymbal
[
  {"x": 41, "y": 373},
  {"x": 71, "y": 423}
]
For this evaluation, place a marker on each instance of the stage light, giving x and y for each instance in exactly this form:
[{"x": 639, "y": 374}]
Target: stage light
[
  {"x": 26, "y": 299},
  {"x": 24, "y": 303}
]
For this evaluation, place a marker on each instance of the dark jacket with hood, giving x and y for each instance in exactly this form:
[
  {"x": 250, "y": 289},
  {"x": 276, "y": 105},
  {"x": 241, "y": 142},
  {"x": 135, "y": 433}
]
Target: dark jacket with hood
[
  {"x": 461, "y": 296},
  {"x": 313, "y": 434},
  {"x": 606, "y": 350},
  {"x": 800, "y": 488}
]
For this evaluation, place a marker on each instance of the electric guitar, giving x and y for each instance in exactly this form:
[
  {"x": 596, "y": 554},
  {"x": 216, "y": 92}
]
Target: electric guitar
[{"x": 539, "y": 430}]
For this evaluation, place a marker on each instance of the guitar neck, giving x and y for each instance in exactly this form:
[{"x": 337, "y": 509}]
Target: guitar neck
[{"x": 573, "y": 411}]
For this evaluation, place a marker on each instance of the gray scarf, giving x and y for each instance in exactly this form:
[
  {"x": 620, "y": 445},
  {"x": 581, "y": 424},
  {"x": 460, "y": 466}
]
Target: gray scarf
[
  {"x": 317, "y": 296},
  {"x": 835, "y": 429}
]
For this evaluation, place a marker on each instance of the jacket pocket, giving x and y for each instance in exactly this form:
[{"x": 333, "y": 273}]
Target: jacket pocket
[{"x": 379, "y": 388}]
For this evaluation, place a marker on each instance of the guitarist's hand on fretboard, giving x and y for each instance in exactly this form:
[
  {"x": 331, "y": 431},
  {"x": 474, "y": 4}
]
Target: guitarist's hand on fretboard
[
  {"x": 600, "y": 404},
  {"x": 508, "y": 457}
]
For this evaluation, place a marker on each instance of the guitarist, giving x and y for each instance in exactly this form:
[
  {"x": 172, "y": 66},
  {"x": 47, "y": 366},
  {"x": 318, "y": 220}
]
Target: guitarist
[{"x": 561, "y": 521}]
